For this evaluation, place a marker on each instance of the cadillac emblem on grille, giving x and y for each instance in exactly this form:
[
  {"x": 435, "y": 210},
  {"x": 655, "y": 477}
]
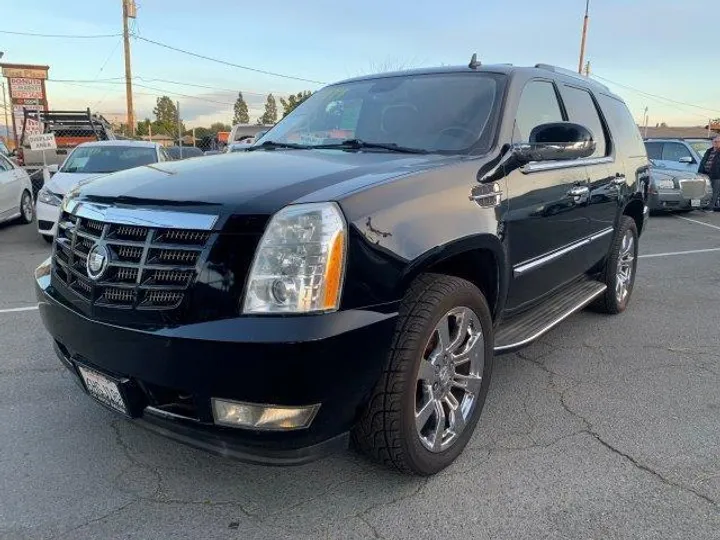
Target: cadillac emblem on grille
[{"x": 97, "y": 261}]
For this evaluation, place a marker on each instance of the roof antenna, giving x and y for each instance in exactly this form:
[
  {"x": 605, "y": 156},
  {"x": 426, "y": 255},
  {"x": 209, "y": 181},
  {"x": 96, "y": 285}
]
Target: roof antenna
[{"x": 474, "y": 62}]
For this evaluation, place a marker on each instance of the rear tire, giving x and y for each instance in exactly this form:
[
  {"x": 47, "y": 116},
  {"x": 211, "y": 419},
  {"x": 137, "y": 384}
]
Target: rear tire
[
  {"x": 27, "y": 209},
  {"x": 620, "y": 269},
  {"x": 424, "y": 408}
]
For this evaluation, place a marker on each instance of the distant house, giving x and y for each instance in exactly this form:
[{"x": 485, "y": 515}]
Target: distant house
[
  {"x": 697, "y": 132},
  {"x": 164, "y": 140}
]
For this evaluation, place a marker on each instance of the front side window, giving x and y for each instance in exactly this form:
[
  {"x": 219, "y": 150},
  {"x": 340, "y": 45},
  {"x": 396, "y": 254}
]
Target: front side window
[
  {"x": 443, "y": 113},
  {"x": 675, "y": 152},
  {"x": 107, "y": 159},
  {"x": 5, "y": 165},
  {"x": 538, "y": 105},
  {"x": 581, "y": 109}
]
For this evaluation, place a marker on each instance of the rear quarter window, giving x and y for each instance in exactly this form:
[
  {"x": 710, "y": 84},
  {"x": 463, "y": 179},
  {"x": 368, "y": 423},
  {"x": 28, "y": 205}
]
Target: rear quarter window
[{"x": 625, "y": 133}]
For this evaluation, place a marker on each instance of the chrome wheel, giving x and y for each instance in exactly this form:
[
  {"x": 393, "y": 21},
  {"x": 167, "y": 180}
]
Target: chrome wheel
[
  {"x": 625, "y": 267},
  {"x": 449, "y": 379},
  {"x": 26, "y": 207}
]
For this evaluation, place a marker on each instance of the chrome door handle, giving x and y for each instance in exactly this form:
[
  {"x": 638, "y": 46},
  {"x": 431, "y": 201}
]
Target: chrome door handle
[
  {"x": 619, "y": 180},
  {"x": 578, "y": 191}
]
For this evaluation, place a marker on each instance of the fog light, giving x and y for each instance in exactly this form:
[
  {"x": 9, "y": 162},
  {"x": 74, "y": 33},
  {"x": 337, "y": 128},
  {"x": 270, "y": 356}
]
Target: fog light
[{"x": 262, "y": 417}]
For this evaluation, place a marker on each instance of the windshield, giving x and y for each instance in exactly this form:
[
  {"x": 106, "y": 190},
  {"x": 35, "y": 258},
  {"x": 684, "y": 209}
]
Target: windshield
[
  {"x": 701, "y": 146},
  {"x": 442, "y": 113},
  {"x": 107, "y": 159}
]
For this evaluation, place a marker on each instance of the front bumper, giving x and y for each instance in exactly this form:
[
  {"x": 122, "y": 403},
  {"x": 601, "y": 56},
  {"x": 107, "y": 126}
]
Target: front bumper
[
  {"x": 673, "y": 200},
  {"x": 47, "y": 217},
  {"x": 333, "y": 359}
]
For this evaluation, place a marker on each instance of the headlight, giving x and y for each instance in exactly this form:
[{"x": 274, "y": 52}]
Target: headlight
[
  {"x": 300, "y": 262},
  {"x": 48, "y": 197},
  {"x": 665, "y": 184}
]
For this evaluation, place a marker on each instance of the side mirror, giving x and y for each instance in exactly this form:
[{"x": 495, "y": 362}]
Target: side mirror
[
  {"x": 52, "y": 169},
  {"x": 556, "y": 141},
  {"x": 687, "y": 160}
]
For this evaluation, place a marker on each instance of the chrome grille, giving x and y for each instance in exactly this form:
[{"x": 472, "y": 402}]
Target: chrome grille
[
  {"x": 148, "y": 268},
  {"x": 693, "y": 189}
]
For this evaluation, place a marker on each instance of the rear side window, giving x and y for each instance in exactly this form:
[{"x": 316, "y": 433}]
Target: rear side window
[
  {"x": 673, "y": 151},
  {"x": 581, "y": 109},
  {"x": 654, "y": 150},
  {"x": 538, "y": 105},
  {"x": 624, "y": 130}
]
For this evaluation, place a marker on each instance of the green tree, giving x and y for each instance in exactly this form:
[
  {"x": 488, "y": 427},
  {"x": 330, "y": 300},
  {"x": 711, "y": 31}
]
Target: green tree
[
  {"x": 143, "y": 128},
  {"x": 166, "y": 116},
  {"x": 270, "y": 115},
  {"x": 242, "y": 116},
  {"x": 202, "y": 132},
  {"x": 293, "y": 101},
  {"x": 219, "y": 126}
]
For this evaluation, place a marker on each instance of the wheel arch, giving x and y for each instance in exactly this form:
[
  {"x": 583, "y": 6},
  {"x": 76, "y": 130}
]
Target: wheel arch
[
  {"x": 635, "y": 209},
  {"x": 479, "y": 259}
]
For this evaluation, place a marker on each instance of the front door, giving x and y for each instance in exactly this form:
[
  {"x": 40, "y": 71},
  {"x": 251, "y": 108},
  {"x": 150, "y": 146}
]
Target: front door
[
  {"x": 547, "y": 219},
  {"x": 8, "y": 181}
]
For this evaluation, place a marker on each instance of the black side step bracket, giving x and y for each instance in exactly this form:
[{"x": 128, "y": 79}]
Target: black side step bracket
[{"x": 520, "y": 330}]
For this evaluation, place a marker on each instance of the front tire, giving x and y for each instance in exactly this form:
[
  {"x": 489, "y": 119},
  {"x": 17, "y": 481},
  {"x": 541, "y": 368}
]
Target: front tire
[
  {"x": 620, "y": 269},
  {"x": 424, "y": 408},
  {"x": 27, "y": 210}
]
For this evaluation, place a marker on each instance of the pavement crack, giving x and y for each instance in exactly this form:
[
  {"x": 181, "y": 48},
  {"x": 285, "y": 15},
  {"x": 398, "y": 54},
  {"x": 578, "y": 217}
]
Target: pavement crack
[
  {"x": 127, "y": 452},
  {"x": 373, "y": 529},
  {"x": 94, "y": 520},
  {"x": 653, "y": 472}
]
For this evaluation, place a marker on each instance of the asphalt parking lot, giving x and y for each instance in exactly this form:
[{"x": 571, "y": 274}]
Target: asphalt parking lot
[{"x": 609, "y": 427}]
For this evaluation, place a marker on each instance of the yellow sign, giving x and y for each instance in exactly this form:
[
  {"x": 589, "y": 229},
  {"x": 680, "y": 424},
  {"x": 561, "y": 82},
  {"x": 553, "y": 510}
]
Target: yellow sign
[{"x": 24, "y": 73}]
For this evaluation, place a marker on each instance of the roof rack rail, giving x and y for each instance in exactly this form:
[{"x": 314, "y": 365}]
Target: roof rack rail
[{"x": 569, "y": 73}]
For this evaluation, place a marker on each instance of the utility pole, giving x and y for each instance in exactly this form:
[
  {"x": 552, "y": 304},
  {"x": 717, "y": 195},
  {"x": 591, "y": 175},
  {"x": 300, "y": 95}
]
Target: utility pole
[
  {"x": 584, "y": 36},
  {"x": 587, "y": 68},
  {"x": 129, "y": 12},
  {"x": 647, "y": 119},
  {"x": 180, "y": 141}
]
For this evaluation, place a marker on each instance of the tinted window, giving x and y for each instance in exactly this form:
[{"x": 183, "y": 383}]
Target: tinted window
[
  {"x": 5, "y": 165},
  {"x": 107, "y": 159},
  {"x": 581, "y": 109},
  {"x": 674, "y": 151},
  {"x": 3, "y": 149},
  {"x": 438, "y": 113},
  {"x": 654, "y": 150},
  {"x": 538, "y": 105},
  {"x": 624, "y": 131}
]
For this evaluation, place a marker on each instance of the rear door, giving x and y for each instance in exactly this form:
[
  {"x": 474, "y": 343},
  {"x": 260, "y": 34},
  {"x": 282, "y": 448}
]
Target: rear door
[
  {"x": 547, "y": 216},
  {"x": 605, "y": 177}
]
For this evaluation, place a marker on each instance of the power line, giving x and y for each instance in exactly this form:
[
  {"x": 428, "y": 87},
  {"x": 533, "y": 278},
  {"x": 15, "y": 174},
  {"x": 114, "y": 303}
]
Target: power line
[
  {"x": 656, "y": 96},
  {"x": 183, "y": 95},
  {"x": 69, "y": 36},
  {"x": 216, "y": 60}
]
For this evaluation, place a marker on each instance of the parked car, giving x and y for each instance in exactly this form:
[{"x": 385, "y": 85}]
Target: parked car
[
  {"x": 677, "y": 154},
  {"x": 185, "y": 152},
  {"x": 682, "y": 191},
  {"x": 16, "y": 201},
  {"x": 356, "y": 271},
  {"x": 87, "y": 161},
  {"x": 239, "y": 146}
]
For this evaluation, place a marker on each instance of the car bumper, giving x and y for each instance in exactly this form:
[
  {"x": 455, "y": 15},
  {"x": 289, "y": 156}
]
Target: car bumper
[
  {"x": 673, "y": 200},
  {"x": 47, "y": 218},
  {"x": 333, "y": 360}
]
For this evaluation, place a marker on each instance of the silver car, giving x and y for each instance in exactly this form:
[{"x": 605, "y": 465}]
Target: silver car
[
  {"x": 679, "y": 191},
  {"x": 677, "y": 154}
]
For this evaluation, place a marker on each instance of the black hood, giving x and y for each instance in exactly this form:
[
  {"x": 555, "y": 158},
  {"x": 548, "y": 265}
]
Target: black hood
[{"x": 259, "y": 182}]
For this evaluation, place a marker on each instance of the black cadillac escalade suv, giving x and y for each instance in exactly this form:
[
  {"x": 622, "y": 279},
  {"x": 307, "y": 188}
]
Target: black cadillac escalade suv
[{"x": 355, "y": 272}]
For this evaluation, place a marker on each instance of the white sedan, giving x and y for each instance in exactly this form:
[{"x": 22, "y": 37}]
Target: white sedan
[
  {"x": 87, "y": 161},
  {"x": 16, "y": 201}
]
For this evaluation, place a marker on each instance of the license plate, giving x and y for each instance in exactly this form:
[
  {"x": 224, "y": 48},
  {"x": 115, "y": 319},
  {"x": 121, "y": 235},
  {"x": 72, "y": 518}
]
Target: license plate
[
  {"x": 695, "y": 203},
  {"x": 103, "y": 389}
]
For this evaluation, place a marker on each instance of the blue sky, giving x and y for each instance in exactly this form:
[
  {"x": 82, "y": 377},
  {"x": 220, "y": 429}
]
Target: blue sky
[{"x": 657, "y": 46}]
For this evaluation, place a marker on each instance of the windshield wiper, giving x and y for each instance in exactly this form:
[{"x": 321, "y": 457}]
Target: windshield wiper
[
  {"x": 358, "y": 144},
  {"x": 271, "y": 145}
]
